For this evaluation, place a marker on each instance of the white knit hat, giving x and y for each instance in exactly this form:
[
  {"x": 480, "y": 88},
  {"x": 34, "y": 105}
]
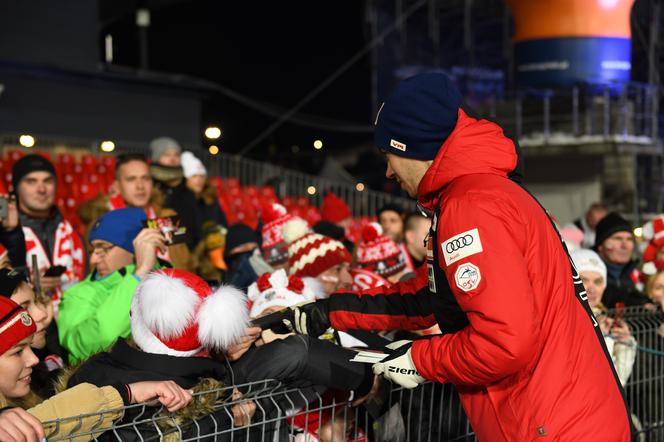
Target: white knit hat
[
  {"x": 279, "y": 290},
  {"x": 191, "y": 165},
  {"x": 176, "y": 313},
  {"x": 588, "y": 261}
]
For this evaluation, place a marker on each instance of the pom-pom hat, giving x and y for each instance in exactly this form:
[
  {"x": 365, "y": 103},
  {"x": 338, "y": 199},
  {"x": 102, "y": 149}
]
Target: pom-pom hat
[
  {"x": 277, "y": 289},
  {"x": 334, "y": 209},
  {"x": 274, "y": 217},
  {"x": 176, "y": 313},
  {"x": 310, "y": 254},
  {"x": 378, "y": 252}
]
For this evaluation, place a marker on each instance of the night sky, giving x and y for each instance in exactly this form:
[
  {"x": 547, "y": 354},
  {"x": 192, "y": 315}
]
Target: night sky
[{"x": 274, "y": 52}]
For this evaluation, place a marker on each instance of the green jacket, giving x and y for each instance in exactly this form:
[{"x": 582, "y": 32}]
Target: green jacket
[{"x": 93, "y": 314}]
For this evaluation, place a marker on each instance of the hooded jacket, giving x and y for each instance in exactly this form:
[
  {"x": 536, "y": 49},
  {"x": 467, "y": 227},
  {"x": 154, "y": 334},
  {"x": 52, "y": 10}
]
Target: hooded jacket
[{"x": 520, "y": 342}]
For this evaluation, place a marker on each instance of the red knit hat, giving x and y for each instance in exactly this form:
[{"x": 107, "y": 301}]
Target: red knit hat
[
  {"x": 334, "y": 209},
  {"x": 310, "y": 254},
  {"x": 176, "y": 313},
  {"x": 274, "y": 217},
  {"x": 15, "y": 324},
  {"x": 654, "y": 231},
  {"x": 379, "y": 253}
]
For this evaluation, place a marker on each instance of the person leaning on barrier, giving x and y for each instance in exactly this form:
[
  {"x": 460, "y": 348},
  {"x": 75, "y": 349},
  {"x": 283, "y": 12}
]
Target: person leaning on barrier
[
  {"x": 177, "y": 320},
  {"x": 15, "y": 286},
  {"x": 617, "y": 336},
  {"x": 22, "y": 412},
  {"x": 95, "y": 312},
  {"x": 518, "y": 336}
]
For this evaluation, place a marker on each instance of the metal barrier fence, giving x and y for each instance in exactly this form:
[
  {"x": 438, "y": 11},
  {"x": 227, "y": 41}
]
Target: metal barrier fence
[
  {"x": 272, "y": 411},
  {"x": 292, "y": 183},
  {"x": 645, "y": 386}
]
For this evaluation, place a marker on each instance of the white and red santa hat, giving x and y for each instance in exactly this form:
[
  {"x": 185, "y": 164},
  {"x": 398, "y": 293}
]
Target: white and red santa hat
[
  {"x": 176, "y": 313},
  {"x": 379, "y": 253},
  {"x": 274, "y": 216},
  {"x": 277, "y": 289}
]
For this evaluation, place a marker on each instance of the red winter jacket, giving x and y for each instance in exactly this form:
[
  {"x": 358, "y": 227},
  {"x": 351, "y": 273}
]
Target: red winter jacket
[{"x": 530, "y": 364}]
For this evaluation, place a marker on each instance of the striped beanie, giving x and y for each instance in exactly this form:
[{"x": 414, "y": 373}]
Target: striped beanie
[
  {"x": 379, "y": 253},
  {"x": 274, "y": 216},
  {"x": 310, "y": 254},
  {"x": 15, "y": 324}
]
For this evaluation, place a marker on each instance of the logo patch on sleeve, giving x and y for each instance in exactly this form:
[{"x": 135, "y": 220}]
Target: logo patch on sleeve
[
  {"x": 467, "y": 277},
  {"x": 461, "y": 245}
]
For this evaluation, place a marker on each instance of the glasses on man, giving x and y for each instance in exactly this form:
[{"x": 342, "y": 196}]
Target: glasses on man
[{"x": 101, "y": 250}]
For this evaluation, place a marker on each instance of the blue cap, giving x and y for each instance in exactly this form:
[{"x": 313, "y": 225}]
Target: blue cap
[
  {"x": 419, "y": 116},
  {"x": 119, "y": 227}
]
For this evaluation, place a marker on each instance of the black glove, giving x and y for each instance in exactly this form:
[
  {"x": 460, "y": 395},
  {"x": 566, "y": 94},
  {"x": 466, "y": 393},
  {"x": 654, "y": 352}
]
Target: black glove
[{"x": 311, "y": 318}]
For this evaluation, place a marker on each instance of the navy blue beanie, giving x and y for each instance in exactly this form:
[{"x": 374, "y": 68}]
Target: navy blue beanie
[
  {"x": 418, "y": 117},
  {"x": 119, "y": 227}
]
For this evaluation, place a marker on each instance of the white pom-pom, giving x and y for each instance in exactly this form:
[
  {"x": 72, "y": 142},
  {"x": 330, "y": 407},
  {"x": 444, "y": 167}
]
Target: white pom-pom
[
  {"x": 222, "y": 318},
  {"x": 279, "y": 279},
  {"x": 648, "y": 231},
  {"x": 313, "y": 289},
  {"x": 294, "y": 230},
  {"x": 166, "y": 305},
  {"x": 649, "y": 268}
]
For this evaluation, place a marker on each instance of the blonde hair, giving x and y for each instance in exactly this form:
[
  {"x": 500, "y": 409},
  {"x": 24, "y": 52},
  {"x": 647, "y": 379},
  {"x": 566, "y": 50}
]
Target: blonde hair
[
  {"x": 651, "y": 283},
  {"x": 28, "y": 401}
]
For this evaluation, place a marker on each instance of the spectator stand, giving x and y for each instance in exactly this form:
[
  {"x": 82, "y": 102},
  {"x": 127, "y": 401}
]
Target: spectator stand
[{"x": 243, "y": 185}]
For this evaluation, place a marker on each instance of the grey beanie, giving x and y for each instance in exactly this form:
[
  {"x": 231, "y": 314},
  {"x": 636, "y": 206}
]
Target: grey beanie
[{"x": 160, "y": 145}]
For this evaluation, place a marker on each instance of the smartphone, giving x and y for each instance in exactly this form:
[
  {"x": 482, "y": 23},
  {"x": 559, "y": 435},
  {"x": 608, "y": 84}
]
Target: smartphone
[
  {"x": 170, "y": 227},
  {"x": 4, "y": 208},
  {"x": 55, "y": 271}
]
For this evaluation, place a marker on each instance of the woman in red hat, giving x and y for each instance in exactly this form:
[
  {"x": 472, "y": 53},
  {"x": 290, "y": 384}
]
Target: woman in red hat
[{"x": 23, "y": 412}]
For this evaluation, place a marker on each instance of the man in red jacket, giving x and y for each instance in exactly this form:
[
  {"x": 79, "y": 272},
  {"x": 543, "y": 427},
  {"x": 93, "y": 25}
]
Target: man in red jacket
[{"x": 519, "y": 340}]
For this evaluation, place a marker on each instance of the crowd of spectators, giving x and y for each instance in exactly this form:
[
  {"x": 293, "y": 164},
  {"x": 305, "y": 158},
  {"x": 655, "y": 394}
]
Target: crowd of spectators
[{"x": 127, "y": 313}]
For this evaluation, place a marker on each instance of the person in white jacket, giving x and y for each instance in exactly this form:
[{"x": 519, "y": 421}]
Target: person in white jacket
[{"x": 618, "y": 337}]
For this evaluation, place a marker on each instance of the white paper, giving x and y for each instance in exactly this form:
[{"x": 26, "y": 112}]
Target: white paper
[{"x": 369, "y": 357}]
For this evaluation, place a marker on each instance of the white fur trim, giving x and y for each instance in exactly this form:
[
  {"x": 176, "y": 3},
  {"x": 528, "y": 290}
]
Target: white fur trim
[
  {"x": 294, "y": 230},
  {"x": 146, "y": 340},
  {"x": 222, "y": 318},
  {"x": 167, "y": 305}
]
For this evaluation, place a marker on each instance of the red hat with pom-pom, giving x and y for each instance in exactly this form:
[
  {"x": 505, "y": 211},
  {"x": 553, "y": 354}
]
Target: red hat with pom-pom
[
  {"x": 654, "y": 231},
  {"x": 176, "y": 313},
  {"x": 310, "y": 254},
  {"x": 379, "y": 253},
  {"x": 274, "y": 216},
  {"x": 334, "y": 209}
]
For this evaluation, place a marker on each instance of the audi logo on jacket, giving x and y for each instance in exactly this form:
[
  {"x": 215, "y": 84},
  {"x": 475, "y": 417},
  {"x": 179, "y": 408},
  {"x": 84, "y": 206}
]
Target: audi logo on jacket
[{"x": 529, "y": 363}]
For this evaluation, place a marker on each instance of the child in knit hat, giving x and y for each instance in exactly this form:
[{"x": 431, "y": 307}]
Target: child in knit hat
[
  {"x": 317, "y": 256},
  {"x": 275, "y": 250},
  {"x": 379, "y": 254},
  {"x": 178, "y": 322},
  {"x": 307, "y": 356}
]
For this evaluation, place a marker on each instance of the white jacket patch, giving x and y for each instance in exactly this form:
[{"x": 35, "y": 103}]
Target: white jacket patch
[{"x": 461, "y": 245}]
